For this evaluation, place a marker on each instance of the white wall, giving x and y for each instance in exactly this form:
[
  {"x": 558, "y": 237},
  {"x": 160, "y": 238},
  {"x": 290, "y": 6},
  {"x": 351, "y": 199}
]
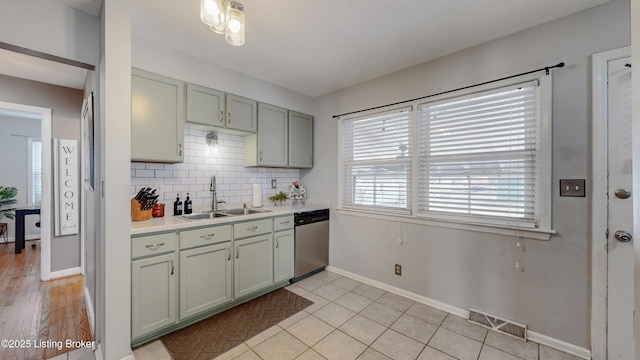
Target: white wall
[
  {"x": 113, "y": 308},
  {"x": 193, "y": 176},
  {"x": 51, "y": 28},
  {"x": 156, "y": 58},
  {"x": 468, "y": 269}
]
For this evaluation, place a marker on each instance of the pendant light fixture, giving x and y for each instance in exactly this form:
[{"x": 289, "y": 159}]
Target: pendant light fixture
[{"x": 224, "y": 17}]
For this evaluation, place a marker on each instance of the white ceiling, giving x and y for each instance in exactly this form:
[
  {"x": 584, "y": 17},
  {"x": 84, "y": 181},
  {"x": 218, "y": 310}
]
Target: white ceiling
[{"x": 317, "y": 46}]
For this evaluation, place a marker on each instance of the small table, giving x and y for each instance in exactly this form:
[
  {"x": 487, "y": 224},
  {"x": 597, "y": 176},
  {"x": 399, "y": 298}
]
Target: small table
[
  {"x": 4, "y": 232},
  {"x": 20, "y": 214}
]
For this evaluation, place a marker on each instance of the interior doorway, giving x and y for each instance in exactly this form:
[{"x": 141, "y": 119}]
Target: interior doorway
[{"x": 44, "y": 115}]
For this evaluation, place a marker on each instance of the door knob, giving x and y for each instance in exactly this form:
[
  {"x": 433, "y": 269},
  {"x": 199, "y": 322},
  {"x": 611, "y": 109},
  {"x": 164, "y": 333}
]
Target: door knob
[
  {"x": 623, "y": 236},
  {"x": 623, "y": 193}
]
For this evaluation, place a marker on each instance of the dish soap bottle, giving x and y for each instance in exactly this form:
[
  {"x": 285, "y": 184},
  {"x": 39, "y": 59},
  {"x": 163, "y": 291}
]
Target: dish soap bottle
[
  {"x": 177, "y": 206},
  {"x": 188, "y": 208}
]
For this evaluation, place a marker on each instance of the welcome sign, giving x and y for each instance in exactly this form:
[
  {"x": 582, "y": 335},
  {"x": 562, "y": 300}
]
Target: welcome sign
[{"x": 66, "y": 187}]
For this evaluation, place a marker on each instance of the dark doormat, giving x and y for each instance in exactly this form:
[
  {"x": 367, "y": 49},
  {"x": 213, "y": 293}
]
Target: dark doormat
[{"x": 213, "y": 336}]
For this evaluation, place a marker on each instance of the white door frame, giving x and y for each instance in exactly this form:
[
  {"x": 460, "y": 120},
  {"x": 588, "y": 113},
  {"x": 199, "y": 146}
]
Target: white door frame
[
  {"x": 45, "y": 221},
  {"x": 599, "y": 199}
]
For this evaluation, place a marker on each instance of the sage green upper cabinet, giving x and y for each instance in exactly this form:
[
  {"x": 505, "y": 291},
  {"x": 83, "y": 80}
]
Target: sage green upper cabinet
[
  {"x": 269, "y": 146},
  {"x": 157, "y": 117},
  {"x": 241, "y": 113},
  {"x": 300, "y": 140},
  {"x": 205, "y": 106}
]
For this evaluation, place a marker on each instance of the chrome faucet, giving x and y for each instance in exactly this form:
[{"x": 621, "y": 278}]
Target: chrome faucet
[{"x": 214, "y": 200}]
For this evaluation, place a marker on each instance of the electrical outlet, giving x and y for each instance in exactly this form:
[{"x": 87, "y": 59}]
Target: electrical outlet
[
  {"x": 398, "y": 269},
  {"x": 274, "y": 183}
]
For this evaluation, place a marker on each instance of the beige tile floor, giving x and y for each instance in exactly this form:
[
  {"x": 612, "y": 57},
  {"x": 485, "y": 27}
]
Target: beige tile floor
[
  {"x": 352, "y": 320},
  {"x": 78, "y": 354}
]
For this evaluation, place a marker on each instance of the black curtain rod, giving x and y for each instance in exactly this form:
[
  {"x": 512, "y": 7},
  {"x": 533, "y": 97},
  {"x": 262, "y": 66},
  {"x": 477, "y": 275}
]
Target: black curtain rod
[{"x": 546, "y": 69}]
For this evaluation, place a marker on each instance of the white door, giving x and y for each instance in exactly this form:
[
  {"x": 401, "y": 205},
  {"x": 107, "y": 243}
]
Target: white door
[{"x": 620, "y": 255}]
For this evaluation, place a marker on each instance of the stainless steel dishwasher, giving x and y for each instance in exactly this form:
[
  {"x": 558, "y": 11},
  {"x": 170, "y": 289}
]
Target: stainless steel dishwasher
[{"x": 311, "y": 243}]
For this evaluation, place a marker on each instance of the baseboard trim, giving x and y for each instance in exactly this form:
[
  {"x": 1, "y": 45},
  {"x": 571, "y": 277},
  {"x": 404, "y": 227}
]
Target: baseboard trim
[
  {"x": 98, "y": 352},
  {"x": 559, "y": 345},
  {"x": 12, "y": 239},
  {"x": 90, "y": 312},
  {"x": 531, "y": 335},
  {"x": 64, "y": 273}
]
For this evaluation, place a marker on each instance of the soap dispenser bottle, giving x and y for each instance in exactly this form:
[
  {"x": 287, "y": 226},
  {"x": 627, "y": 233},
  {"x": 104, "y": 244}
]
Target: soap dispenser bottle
[
  {"x": 177, "y": 206},
  {"x": 188, "y": 208}
]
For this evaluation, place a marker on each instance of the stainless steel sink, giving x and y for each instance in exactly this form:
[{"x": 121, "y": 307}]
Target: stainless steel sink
[
  {"x": 203, "y": 216},
  {"x": 222, "y": 213},
  {"x": 242, "y": 211}
]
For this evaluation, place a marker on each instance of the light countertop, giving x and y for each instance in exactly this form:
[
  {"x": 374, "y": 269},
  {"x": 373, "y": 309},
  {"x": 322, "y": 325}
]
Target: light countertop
[{"x": 175, "y": 223}]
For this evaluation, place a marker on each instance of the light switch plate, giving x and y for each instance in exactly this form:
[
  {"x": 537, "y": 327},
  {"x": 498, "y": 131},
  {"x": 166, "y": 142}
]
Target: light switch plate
[
  {"x": 572, "y": 187},
  {"x": 274, "y": 183}
]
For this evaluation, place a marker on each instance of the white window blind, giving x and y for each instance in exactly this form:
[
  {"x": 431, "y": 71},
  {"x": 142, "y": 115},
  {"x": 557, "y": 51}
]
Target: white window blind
[
  {"x": 377, "y": 162},
  {"x": 35, "y": 172},
  {"x": 478, "y": 155}
]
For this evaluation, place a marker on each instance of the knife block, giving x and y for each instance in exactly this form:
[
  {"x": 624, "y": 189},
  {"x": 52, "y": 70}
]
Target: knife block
[{"x": 137, "y": 214}]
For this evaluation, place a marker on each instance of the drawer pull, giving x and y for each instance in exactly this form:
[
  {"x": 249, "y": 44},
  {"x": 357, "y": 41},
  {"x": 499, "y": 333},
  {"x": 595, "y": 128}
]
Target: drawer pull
[
  {"x": 154, "y": 246},
  {"x": 284, "y": 222},
  {"x": 253, "y": 228},
  {"x": 207, "y": 237}
]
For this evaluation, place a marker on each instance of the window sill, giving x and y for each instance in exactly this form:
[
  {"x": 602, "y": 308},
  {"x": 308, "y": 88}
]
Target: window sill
[{"x": 521, "y": 232}]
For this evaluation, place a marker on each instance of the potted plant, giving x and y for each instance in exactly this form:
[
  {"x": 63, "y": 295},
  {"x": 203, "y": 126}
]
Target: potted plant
[
  {"x": 7, "y": 198},
  {"x": 279, "y": 197}
]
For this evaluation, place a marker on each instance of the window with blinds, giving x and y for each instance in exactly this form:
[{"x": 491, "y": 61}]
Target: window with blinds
[
  {"x": 377, "y": 163},
  {"x": 478, "y": 155},
  {"x": 35, "y": 172}
]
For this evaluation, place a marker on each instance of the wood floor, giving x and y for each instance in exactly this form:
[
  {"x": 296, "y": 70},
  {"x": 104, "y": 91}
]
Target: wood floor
[{"x": 40, "y": 316}]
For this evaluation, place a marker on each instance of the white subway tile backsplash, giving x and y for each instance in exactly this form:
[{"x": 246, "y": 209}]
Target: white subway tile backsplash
[
  {"x": 154, "y": 166},
  {"x": 234, "y": 181},
  {"x": 144, "y": 173}
]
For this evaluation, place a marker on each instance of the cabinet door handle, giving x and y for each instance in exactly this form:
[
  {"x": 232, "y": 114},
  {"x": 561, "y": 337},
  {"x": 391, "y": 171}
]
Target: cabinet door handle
[
  {"x": 154, "y": 246},
  {"x": 208, "y": 236},
  {"x": 228, "y": 254},
  {"x": 221, "y": 116},
  {"x": 253, "y": 228},
  {"x": 228, "y": 117},
  {"x": 172, "y": 267},
  {"x": 260, "y": 155},
  {"x": 237, "y": 252},
  {"x": 277, "y": 243},
  {"x": 179, "y": 149}
]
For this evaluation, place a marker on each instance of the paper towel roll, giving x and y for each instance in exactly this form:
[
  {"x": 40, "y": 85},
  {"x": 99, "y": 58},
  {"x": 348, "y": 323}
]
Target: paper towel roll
[{"x": 257, "y": 195}]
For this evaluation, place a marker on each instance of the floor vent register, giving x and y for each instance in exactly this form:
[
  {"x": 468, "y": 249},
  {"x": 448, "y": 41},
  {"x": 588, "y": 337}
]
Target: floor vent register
[{"x": 499, "y": 324}]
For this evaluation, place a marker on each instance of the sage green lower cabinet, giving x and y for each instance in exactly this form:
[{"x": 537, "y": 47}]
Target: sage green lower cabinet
[
  {"x": 205, "y": 278},
  {"x": 283, "y": 245},
  {"x": 283, "y": 248},
  {"x": 253, "y": 264},
  {"x": 153, "y": 293},
  {"x": 181, "y": 277}
]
